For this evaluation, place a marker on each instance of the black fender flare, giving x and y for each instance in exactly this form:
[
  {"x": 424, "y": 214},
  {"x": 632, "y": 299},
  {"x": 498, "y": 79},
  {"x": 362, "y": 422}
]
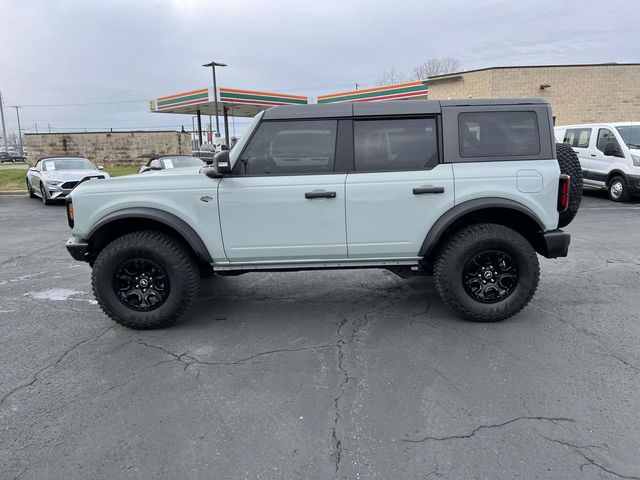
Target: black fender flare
[
  {"x": 462, "y": 209},
  {"x": 170, "y": 220}
]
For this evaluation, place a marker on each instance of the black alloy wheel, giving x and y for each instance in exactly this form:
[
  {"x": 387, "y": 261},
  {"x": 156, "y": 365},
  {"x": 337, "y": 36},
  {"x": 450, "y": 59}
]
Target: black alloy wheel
[
  {"x": 141, "y": 284},
  {"x": 490, "y": 276}
]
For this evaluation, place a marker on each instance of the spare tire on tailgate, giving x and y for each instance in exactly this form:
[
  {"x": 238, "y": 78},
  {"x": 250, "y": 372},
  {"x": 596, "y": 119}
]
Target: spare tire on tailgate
[{"x": 570, "y": 165}]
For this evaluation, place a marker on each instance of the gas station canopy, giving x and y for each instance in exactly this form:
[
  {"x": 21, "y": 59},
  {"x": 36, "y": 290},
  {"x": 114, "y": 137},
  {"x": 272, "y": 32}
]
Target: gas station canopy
[
  {"x": 400, "y": 91},
  {"x": 231, "y": 101}
]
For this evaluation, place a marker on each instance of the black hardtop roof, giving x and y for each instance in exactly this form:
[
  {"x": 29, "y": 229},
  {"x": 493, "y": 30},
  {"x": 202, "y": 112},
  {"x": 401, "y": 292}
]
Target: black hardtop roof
[{"x": 387, "y": 107}]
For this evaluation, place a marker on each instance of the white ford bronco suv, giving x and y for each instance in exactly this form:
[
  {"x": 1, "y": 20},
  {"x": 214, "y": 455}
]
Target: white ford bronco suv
[{"x": 467, "y": 191}]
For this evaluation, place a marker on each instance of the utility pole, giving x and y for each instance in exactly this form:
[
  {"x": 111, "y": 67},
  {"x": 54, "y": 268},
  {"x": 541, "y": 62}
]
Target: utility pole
[
  {"x": 4, "y": 130},
  {"x": 19, "y": 130},
  {"x": 213, "y": 66},
  {"x": 357, "y": 85}
]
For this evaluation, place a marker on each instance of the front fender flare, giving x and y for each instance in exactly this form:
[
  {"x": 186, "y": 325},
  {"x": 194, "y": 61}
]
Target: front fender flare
[{"x": 170, "y": 220}]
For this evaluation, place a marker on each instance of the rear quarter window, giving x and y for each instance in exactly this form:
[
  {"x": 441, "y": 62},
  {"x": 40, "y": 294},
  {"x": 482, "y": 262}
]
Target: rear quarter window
[{"x": 498, "y": 134}]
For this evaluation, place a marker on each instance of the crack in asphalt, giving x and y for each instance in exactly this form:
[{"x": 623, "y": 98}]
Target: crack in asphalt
[
  {"x": 30, "y": 254},
  {"x": 37, "y": 374},
  {"x": 488, "y": 426},
  {"x": 590, "y": 461}
]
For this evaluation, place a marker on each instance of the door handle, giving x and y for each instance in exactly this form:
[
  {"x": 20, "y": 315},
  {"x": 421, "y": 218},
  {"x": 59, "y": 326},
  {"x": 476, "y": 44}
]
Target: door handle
[
  {"x": 427, "y": 189},
  {"x": 320, "y": 195},
  {"x": 593, "y": 155}
]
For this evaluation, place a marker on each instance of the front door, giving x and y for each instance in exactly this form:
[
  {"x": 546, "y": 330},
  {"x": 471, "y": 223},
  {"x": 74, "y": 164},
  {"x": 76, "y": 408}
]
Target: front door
[
  {"x": 284, "y": 202},
  {"x": 600, "y": 164},
  {"x": 397, "y": 189}
]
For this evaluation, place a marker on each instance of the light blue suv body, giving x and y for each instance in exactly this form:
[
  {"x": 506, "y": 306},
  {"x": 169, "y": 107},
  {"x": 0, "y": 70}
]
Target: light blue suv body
[{"x": 383, "y": 184}]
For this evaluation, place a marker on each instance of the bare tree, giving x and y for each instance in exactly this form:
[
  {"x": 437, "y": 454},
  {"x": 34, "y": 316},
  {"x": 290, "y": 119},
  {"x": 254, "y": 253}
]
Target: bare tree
[
  {"x": 391, "y": 77},
  {"x": 436, "y": 66}
]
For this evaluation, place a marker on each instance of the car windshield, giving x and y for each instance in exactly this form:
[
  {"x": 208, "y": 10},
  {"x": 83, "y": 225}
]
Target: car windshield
[
  {"x": 51, "y": 164},
  {"x": 631, "y": 135},
  {"x": 180, "y": 161}
]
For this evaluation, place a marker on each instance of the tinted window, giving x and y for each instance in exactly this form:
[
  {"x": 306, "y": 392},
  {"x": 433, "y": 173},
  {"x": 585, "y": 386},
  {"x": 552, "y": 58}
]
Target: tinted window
[
  {"x": 395, "y": 144},
  {"x": 577, "y": 137},
  {"x": 279, "y": 148},
  {"x": 499, "y": 134},
  {"x": 606, "y": 136}
]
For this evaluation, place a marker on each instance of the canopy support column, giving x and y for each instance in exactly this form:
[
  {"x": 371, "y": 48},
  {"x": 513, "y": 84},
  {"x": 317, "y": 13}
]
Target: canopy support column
[
  {"x": 225, "y": 111},
  {"x": 199, "y": 130}
]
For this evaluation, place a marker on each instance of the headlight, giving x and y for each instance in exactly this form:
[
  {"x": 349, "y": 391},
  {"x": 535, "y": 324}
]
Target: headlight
[
  {"x": 52, "y": 182},
  {"x": 636, "y": 160}
]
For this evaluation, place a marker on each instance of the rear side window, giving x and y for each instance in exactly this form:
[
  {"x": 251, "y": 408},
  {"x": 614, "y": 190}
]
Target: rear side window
[
  {"x": 285, "y": 148},
  {"x": 498, "y": 134},
  {"x": 395, "y": 144},
  {"x": 577, "y": 137}
]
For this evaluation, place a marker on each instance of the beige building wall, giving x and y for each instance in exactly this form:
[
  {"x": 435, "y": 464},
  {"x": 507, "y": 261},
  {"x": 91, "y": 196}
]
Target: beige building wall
[
  {"x": 578, "y": 94},
  {"x": 108, "y": 149}
]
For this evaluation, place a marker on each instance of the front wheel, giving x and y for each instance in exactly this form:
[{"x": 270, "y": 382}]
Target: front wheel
[
  {"x": 145, "y": 279},
  {"x": 486, "y": 272},
  {"x": 45, "y": 199},
  {"x": 618, "y": 190}
]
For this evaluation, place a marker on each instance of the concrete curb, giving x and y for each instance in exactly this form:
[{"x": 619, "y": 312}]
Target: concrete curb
[{"x": 13, "y": 192}]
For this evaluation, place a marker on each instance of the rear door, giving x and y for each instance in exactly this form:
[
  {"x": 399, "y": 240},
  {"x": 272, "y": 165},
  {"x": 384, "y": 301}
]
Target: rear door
[
  {"x": 579, "y": 138},
  {"x": 284, "y": 201},
  {"x": 397, "y": 189}
]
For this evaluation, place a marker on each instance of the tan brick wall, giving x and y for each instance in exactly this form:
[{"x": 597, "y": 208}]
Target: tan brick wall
[
  {"x": 582, "y": 94},
  {"x": 108, "y": 149}
]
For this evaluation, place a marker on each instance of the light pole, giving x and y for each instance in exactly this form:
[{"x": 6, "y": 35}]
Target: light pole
[
  {"x": 4, "y": 130},
  {"x": 213, "y": 66},
  {"x": 19, "y": 129}
]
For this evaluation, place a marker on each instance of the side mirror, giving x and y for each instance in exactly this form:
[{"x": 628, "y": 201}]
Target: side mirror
[
  {"x": 143, "y": 169},
  {"x": 223, "y": 147},
  {"x": 100, "y": 167},
  {"x": 33, "y": 169},
  {"x": 220, "y": 166},
  {"x": 611, "y": 150}
]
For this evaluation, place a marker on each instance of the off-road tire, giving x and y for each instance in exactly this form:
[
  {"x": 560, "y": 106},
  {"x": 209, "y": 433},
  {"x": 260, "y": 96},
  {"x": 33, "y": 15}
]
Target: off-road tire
[
  {"x": 469, "y": 242},
  {"x": 166, "y": 251},
  {"x": 570, "y": 165},
  {"x": 624, "y": 196},
  {"x": 30, "y": 190}
]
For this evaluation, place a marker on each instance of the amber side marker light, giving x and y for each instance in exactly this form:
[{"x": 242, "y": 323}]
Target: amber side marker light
[{"x": 70, "y": 211}]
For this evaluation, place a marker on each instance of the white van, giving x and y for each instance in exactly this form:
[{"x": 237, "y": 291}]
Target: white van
[{"x": 609, "y": 155}]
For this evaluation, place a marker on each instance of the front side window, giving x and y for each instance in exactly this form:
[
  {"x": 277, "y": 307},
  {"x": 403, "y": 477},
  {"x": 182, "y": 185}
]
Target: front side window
[
  {"x": 395, "y": 144},
  {"x": 498, "y": 134},
  {"x": 577, "y": 137},
  {"x": 605, "y": 136},
  {"x": 291, "y": 147}
]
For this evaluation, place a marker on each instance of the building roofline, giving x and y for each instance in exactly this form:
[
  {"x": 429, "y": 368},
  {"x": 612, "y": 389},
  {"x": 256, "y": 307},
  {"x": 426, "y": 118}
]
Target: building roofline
[{"x": 610, "y": 64}]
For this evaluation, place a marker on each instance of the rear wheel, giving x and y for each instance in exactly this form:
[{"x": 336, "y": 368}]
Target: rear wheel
[
  {"x": 30, "y": 190},
  {"x": 486, "y": 272},
  {"x": 145, "y": 279},
  {"x": 618, "y": 189}
]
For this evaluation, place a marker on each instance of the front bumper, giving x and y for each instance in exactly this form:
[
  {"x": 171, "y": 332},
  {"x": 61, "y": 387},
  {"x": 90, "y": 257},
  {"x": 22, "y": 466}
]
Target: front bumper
[
  {"x": 57, "y": 193},
  {"x": 555, "y": 244},
  {"x": 77, "y": 249},
  {"x": 633, "y": 182}
]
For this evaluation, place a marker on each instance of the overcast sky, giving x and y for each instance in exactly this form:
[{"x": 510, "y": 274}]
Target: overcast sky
[{"x": 79, "y": 51}]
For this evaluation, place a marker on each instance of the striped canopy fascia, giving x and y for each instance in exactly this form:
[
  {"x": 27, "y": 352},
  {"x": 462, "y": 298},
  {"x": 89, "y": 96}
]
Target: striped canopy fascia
[
  {"x": 388, "y": 92},
  {"x": 182, "y": 99},
  {"x": 233, "y": 95}
]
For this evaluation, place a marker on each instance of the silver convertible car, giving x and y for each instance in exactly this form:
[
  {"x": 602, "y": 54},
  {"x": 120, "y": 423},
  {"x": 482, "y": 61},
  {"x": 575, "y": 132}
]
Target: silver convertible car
[{"x": 53, "y": 178}]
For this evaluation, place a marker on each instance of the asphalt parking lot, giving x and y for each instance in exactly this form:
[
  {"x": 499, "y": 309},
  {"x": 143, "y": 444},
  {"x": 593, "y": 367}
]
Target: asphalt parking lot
[{"x": 354, "y": 374}]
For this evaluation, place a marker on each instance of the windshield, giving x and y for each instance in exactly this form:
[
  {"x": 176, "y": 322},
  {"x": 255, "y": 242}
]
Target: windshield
[
  {"x": 631, "y": 135},
  {"x": 239, "y": 146},
  {"x": 180, "y": 161},
  {"x": 51, "y": 164}
]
